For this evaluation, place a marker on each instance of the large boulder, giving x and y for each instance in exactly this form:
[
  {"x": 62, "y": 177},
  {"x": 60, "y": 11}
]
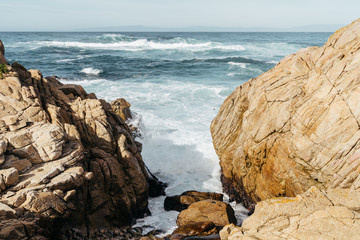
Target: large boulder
[
  {"x": 315, "y": 214},
  {"x": 66, "y": 159},
  {"x": 218, "y": 212},
  {"x": 295, "y": 126}
]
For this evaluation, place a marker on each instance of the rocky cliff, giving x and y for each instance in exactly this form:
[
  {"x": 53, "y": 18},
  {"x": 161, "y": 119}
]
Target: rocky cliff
[
  {"x": 295, "y": 126},
  {"x": 66, "y": 159}
]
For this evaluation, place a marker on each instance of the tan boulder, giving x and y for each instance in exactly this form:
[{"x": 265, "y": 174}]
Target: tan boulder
[
  {"x": 312, "y": 215},
  {"x": 218, "y": 212},
  {"x": 294, "y": 126},
  {"x": 8, "y": 178},
  {"x": 6, "y": 211}
]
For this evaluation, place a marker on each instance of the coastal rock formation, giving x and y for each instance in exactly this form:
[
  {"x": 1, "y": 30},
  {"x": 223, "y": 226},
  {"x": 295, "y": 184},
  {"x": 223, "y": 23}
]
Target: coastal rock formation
[
  {"x": 183, "y": 201},
  {"x": 334, "y": 214},
  {"x": 65, "y": 158},
  {"x": 295, "y": 126}
]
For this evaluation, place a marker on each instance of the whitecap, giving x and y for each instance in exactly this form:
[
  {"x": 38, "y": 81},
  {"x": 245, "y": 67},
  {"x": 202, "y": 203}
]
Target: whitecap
[
  {"x": 242, "y": 65},
  {"x": 141, "y": 45},
  {"x": 91, "y": 71}
]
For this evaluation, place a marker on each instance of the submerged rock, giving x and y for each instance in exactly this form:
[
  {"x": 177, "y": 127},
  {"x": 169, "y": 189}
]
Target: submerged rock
[
  {"x": 315, "y": 214},
  {"x": 295, "y": 126},
  {"x": 66, "y": 159}
]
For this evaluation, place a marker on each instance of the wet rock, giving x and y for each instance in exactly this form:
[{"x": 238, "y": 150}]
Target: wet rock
[
  {"x": 219, "y": 213},
  {"x": 183, "y": 201}
]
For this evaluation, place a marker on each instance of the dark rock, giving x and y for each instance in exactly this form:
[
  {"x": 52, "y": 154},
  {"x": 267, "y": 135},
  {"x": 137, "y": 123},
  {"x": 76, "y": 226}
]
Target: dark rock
[
  {"x": 21, "y": 70},
  {"x": 181, "y": 202}
]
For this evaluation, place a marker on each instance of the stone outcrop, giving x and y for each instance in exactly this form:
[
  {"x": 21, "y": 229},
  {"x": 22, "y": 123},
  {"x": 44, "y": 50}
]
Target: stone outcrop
[
  {"x": 183, "y": 201},
  {"x": 65, "y": 158},
  {"x": 315, "y": 214},
  {"x": 295, "y": 126}
]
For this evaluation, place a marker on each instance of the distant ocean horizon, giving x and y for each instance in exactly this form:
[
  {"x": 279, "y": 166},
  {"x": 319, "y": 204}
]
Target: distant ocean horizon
[{"x": 175, "y": 83}]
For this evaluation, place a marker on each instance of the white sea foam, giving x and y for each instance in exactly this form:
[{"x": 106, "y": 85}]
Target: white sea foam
[
  {"x": 141, "y": 45},
  {"x": 91, "y": 71},
  {"x": 241, "y": 65}
]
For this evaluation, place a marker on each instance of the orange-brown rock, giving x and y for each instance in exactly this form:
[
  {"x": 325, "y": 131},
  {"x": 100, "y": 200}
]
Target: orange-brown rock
[
  {"x": 218, "y": 212},
  {"x": 295, "y": 126},
  {"x": 65, "y": 158}
]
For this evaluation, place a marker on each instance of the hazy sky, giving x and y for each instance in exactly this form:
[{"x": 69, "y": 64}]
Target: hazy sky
[{"x": 81, "y": 14}]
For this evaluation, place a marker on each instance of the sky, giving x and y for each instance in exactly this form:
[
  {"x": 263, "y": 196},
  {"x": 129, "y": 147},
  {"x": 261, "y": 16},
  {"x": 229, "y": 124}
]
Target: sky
[{"x": 56, "y": 15}]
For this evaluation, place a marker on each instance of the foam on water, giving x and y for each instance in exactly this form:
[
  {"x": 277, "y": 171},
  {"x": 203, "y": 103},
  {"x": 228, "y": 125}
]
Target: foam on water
[
  {"x": 91, "y": 71},
  {"x": 141, "y": 45},
  {"x": 242, "y": 65}
]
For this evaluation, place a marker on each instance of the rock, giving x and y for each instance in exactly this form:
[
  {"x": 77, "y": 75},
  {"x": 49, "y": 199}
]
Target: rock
[
  {"x": 195, "y": 229},
  {"x": 122, "y": 108},
  {"x": 311, "y": 215},
  {"x": 219, "y": 213},
  {"x": 72, "y": 161},
  {"x": 295, "y": 126},
  {"x": 8, "y": 178},
  {"x": 183, "y": 201},
  {"x": 2, "y": 53},
  {"x": 6, "y": 212}
]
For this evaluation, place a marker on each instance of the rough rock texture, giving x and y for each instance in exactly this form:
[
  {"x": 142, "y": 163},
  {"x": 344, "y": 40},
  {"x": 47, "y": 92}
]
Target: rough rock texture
[
  {"x": 334, "y": 214},
  {"x": 296, "y": 125},
  {"x": 219, "y": 213},
  {"x": 65, "y": 157},
  {"x": 2, "y": 53},
  {"x": 183, "y": 201},
  {"x": 197, "y": 229},
  {"x": 122, "y": 108}
]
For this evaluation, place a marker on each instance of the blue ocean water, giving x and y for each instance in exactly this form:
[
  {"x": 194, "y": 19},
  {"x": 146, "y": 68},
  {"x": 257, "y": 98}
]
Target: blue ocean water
[{"x": 175, "y": 83}]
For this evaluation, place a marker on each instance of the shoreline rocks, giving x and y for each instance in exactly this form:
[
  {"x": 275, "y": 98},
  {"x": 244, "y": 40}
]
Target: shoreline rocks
[
  {"x": 66, "y": 160},
  {"x": 295, "y": 126}
]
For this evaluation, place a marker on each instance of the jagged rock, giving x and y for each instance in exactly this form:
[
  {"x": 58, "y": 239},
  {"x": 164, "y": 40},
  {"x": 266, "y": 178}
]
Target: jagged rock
[
  {"x": 334, "y": 214},
  {"x": 8, "y": 178},
  {"x": 295, "y": 126},
  {"x": 122, "y": 108},
  {"x": 219, "y": 213},
  {"x": 6, "y": 211},
  {"x": 183, "y": 201},
  {"x": 77, "y": 162}
]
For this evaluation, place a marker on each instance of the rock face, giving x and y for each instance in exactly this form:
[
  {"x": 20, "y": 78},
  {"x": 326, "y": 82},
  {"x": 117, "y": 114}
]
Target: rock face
[
  {"x": 334, "y": 214},
  {"x": 295, "y": 126},
  {"x": 65, "y": 157}
]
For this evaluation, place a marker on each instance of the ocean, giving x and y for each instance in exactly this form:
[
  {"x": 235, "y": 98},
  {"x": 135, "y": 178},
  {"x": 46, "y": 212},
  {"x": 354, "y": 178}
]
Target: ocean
[{"x": 175, "y": 83}]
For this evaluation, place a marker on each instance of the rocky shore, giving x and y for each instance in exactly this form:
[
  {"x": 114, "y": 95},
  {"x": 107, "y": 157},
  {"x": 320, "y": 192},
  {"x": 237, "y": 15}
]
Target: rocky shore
[
  {"x": 288, "y": 143},
  {"x": 67, "y": 160}
]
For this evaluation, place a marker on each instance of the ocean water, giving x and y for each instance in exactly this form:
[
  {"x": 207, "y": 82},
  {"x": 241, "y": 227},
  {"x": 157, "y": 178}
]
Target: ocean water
[{"x": 175, "y": 82}]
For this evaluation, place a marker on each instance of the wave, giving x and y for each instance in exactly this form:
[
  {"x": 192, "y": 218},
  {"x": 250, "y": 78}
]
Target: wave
[
  {"x": 142, "y": 45},
  {"x": 91, "y": 71},
  {"x": 241, "y": 65},
  {"x": 114, "y": 37}
]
